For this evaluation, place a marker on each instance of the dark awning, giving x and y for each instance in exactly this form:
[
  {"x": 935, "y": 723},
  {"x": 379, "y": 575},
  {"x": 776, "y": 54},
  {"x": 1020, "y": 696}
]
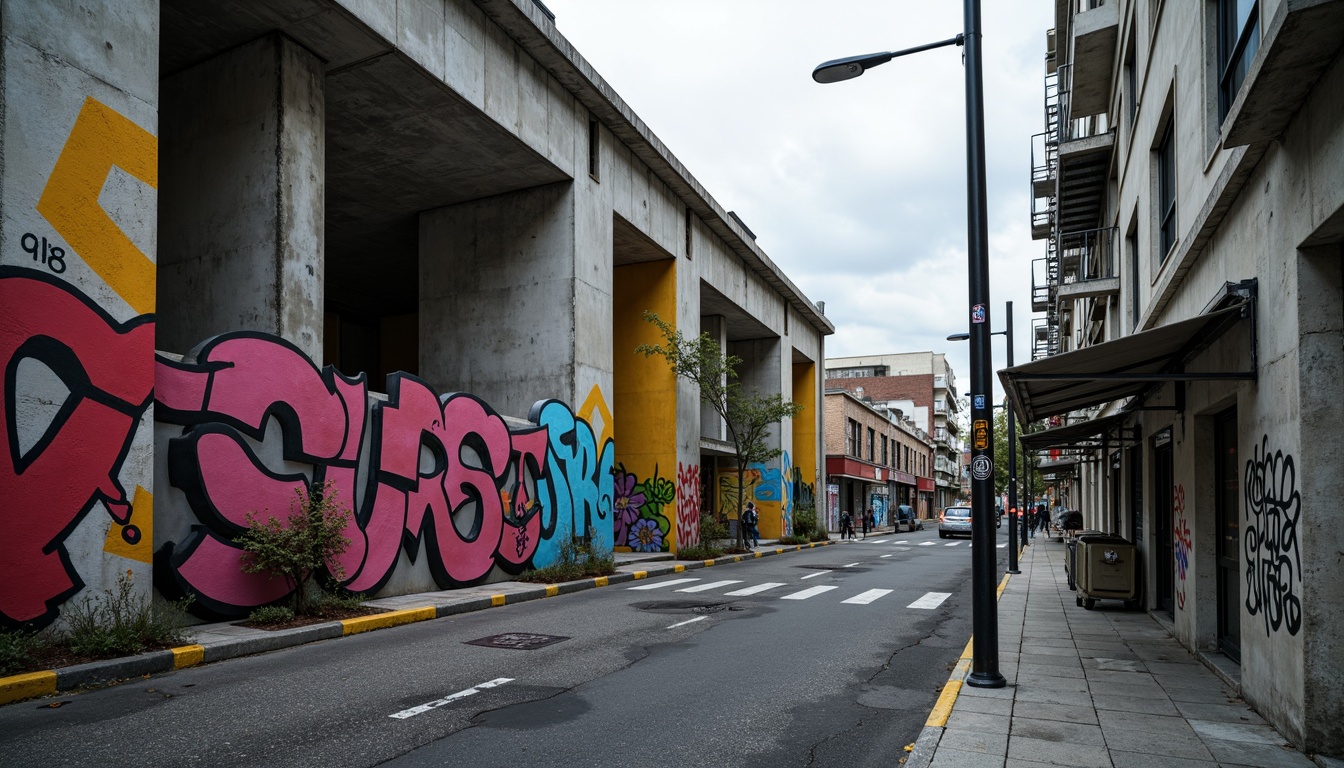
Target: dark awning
[
  {"x": 1085, "y": 434},
  {"x": 1126, "y": 367}
]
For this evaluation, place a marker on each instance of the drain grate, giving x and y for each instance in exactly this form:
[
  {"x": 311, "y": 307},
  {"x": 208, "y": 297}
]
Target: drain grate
[{"x": 520, "y": 641}]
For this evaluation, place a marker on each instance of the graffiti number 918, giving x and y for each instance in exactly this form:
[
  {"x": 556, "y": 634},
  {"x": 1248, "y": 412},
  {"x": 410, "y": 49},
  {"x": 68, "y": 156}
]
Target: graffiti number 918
[{"x": 51, "y": 255}]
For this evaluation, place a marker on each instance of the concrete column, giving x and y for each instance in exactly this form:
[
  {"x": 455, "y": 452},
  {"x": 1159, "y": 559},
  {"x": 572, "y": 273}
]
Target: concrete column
[
  {"x": 241, "y": 217},
  {"x": 711, "y": 424},
  {"x": 497, "y": 298}
]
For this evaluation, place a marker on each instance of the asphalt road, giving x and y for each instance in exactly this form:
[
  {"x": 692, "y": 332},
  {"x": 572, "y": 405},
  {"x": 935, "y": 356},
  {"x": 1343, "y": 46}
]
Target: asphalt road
[{"x": 836, "y": 664}]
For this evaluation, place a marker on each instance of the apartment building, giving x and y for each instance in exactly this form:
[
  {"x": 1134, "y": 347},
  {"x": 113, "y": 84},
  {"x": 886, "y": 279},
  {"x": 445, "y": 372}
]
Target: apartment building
[
  {"x": 923, "y": 387},
  {"x": 876, "y": 458},
  {"x": 1189, "y": 190}
]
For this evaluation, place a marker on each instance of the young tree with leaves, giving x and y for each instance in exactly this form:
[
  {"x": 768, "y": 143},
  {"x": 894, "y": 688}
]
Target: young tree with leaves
[{"x": 748, "y": 416}]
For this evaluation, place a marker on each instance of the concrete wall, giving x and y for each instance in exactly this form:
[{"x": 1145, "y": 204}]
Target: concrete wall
[{"x": 78, "y": 193}]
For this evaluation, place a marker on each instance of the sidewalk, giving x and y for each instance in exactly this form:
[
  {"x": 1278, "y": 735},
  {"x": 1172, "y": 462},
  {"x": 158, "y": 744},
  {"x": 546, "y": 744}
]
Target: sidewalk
[
  {"x": 227, "y": 640},
  {"x": 1101, "y": 688}
]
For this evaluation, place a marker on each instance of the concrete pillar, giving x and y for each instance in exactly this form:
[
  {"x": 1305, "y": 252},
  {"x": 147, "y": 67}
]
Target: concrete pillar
[
  {"x": 241, "y": 217},
  {"x": 1320, "y": 293},
  {"x": 497, "y": 298}
]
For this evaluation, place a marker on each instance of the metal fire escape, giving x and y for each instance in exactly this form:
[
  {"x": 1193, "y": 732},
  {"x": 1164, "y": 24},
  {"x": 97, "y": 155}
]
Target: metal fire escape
[{"x": 1045, "y": 273}]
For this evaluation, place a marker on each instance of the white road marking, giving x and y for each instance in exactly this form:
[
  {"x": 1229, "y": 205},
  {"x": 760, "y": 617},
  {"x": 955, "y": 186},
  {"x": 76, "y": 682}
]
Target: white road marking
[
  {"x": 688, "y": 621},
  {"x": 815, "y": 575},
  {"x": 851, "y": 565},
  {"x": 867, "y": 597},
  {"x": 952, "y": 544},
  {"x": 888, "y": 555},
  {"x": 903, "y": 549},
  {"x": 926, "y": 543},
  {"x": 661, "y": 584},
  {"x": 423, "y": 708},
  {"x": 806, "y": 593},
  {"x": 930, "y": 601},
  {"x": 1001, "y": 546},
  {"x": 710, "y": 585},
  {"x": 881, "y": 541},
  {"x": 756, "y": 589}
]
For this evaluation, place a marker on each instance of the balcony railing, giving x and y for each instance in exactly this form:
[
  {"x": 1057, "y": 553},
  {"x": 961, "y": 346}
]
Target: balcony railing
[
  {"x": 1042, "y": 287},
  {"x": 1088, "y": 254}
]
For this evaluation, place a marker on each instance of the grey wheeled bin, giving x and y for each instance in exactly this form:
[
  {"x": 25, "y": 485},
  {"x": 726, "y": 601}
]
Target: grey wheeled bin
[{"x": 1106, "y": 569}]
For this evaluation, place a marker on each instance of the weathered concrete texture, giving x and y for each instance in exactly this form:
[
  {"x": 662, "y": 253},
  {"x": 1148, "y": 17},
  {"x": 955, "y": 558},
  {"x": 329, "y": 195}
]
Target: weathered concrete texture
[
  {"x": 497, "y": 297},
  {"x": 242, "y": 214}
]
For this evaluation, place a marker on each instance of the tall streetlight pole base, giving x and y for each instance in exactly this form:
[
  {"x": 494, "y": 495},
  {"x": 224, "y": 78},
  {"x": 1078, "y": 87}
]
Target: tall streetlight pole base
[{"x": 986, "y": 680}]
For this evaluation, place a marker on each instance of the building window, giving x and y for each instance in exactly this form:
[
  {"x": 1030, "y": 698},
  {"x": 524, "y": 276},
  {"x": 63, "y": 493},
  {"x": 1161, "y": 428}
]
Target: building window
[
  {"x": 872, "y": 444},
  {"x": 1132, "y": 251},
  {"x": 852, "y": 439},
  {"x": 1131, "y": 83},
  {"x": 1238, "y": 40},
  {"x": 594, "y": 149},
  {"x": 884, "y": 450},
  {"x": 1166, "y": 190}
]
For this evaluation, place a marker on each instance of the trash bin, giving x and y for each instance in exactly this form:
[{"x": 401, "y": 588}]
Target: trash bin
[
  {"x": 1105, "y": 569},
  {"x": 1071, "y": 557}
]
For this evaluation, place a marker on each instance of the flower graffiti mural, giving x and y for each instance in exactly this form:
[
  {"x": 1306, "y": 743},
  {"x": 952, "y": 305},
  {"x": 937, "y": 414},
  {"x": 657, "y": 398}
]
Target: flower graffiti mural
[{"x": 641, "y": 510}]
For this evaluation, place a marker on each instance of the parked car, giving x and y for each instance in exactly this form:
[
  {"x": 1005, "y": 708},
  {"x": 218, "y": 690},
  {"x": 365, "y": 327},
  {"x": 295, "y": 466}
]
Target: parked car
[
  {"x": 956, "y": 521},
  {"x": 907, "y": 520}
]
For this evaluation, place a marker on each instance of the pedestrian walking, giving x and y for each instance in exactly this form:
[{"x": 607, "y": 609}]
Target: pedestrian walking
[
  {"x": 846, "y": 525},
  {"x": 750, "y": 519},
  {"x": 867, "y": 521}
]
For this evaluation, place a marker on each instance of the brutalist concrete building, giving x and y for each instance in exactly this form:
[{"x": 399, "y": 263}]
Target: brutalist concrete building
[
  {"x": 400, "y": 247},
  {"x": 1189, "y": 194}
]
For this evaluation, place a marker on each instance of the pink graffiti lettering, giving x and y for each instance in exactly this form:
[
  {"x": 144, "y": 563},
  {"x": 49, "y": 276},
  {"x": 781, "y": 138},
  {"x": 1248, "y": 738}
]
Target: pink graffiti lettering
[{"x": 75, "y": 464}]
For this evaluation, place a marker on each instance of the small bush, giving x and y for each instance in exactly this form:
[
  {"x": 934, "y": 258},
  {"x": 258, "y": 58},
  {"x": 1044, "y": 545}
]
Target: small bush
[
  {"x": 794, "y": 539},
  {"x": 820, "y": 534},
  {"x": 577, "y": 559},
  {"x": 16, "y": 649},
  {"x": 804, "y": 521},
  {"x": 712, "y": 529},
  {"x": 299, "y": 546},
  {"x": 121, "y": 623},
  {"x": 699, "y": 552},
  {"x": 331, "y": 605},
  {"x": 271, "y": 614}
]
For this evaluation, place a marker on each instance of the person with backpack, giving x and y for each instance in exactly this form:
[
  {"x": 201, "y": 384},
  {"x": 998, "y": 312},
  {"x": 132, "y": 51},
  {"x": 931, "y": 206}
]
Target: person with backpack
[
  {"x": 749, "y": 520},
  {"x": 846, "y": 526}
]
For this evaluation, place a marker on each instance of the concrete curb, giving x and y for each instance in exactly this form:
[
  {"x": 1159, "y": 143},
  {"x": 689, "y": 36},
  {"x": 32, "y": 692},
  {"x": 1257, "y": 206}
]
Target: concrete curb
[
  {"x": 927, "y": 744},
  {"x": 113, "y": 671}
]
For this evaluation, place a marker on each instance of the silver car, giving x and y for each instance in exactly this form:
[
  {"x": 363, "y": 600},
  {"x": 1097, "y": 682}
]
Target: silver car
[{"x": 956, "y": 521}]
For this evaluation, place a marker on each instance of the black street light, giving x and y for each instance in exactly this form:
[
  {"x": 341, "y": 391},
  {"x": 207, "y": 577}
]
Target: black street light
[
  {"x": 984, "y": 602},
  {"x": 1012, "y": 445}
]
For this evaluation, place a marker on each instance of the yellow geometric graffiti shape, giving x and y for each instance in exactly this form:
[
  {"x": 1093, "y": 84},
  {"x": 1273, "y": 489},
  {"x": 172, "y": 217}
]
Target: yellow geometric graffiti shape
[
  {"x": 100, "y": 139},
  {"x": 595, "y": 402},
  {"x": 142, "y": 517}
]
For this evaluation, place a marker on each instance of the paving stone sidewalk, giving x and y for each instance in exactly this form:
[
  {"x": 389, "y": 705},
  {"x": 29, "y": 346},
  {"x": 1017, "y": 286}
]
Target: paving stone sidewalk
[{"x": 1099, "y": 688}]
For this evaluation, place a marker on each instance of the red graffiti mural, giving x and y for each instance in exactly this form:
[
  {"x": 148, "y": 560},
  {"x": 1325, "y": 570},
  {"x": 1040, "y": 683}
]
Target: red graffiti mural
[
  {"x": 442, "y": 471},
  {"x": 688, "y": 504},
  {"x": 49, "y": 487}
]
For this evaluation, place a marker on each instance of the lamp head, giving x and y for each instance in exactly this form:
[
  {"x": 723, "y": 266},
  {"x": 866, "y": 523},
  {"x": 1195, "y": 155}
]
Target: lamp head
[
  {"x": 959, "y": 337},
  {"x": 847, "y": 68}
]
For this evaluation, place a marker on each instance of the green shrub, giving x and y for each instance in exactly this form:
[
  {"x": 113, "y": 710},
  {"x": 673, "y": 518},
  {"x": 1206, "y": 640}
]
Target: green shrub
[
  {"x": 16, "y": 649},
  {"x": 577, "y": 559},
  {"x": 699, "y": 552},
  {"x": 333, "y": 605},
  {"x": 271, "y": 614},
  {"x": 121, "y": 623},
  {"x": 794, "y": 539},
  {"x": 804, "y": 521},
  {"x": 297, "y": 547},
  {"x": 712, "y": 529},
  {"x": 820, "y": 534}
]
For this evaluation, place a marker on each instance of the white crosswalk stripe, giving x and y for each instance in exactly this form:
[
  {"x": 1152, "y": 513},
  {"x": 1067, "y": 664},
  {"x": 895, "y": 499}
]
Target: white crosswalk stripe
[
  {"x": 867, "y": 597},
  {"x": 881, "y": 541},
  {"x": 926, "y": 543},
  {"x": 952, "y": 544},
  {"x": 886, "y": 555},
  {"x": 755, "y": 589},
  {"x": 930, "y": 601},
  {"x": 661, "y": 584},
  {"x": 806, "y": 593},
  {"x": 710, "y": 585},
  {"x": 815, "y": 575}
]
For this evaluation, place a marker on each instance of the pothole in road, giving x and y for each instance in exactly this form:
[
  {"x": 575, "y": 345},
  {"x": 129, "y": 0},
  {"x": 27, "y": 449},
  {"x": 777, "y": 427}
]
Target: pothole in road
[{"x": 680, "y": 606}]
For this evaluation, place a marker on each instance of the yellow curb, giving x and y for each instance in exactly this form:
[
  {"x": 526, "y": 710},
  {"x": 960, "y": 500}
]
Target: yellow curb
[
  {"x": 600, "y": 581},
  {"x": 188, "y": 656},
  {"x": 497, "y": 600},
  {"x": 708, "y": 563},
  {"x": 552, "y": 590},
  {"x": 641, "y": 575},
  {"x": 678, "y": 568},
  {"x": 758, "y": 554},
  {"x": 943, "y": 709},
  {"x": 1003, "y": 584},
  {"x": 389, "y": 619},
  {"x": 27, "y": 686},
  {"x": 779, "y": 551},
  {"x": 969, "y": 653}
]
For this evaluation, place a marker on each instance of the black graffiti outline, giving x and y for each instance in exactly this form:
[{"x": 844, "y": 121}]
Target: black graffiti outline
[{"x": 1273, "y": 553}]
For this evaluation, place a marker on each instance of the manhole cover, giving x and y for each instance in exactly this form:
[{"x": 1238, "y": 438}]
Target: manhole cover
[{"x": 521, "y": 641}]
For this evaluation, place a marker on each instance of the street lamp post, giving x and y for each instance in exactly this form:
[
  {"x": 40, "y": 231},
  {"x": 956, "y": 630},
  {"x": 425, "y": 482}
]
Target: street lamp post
[{"x": 984, "y": 602}]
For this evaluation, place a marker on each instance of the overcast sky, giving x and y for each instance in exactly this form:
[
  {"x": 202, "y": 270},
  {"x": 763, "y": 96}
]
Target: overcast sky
[{"x": 857, "y": 190}]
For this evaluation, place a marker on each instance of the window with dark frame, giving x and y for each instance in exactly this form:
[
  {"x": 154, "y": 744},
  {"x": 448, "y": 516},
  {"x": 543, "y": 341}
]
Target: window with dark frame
[
  {"x": 594, "y": 149},
  {"x": 872, "y": 443},
  {"x": 1166, "y": 190},
  {"x": 1132, "y": 246},
  {"x": 1238, "y": 41}
]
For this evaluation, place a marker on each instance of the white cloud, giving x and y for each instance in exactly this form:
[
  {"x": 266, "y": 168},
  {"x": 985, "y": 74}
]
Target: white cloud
[{"x": 857, "y": 190}]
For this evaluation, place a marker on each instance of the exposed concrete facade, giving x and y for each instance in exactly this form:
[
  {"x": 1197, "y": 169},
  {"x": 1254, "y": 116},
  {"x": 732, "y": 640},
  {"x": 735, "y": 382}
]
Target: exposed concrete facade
[
  {"x": 1230, "y": 486},
  {"x": 407, "y": 247}
]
